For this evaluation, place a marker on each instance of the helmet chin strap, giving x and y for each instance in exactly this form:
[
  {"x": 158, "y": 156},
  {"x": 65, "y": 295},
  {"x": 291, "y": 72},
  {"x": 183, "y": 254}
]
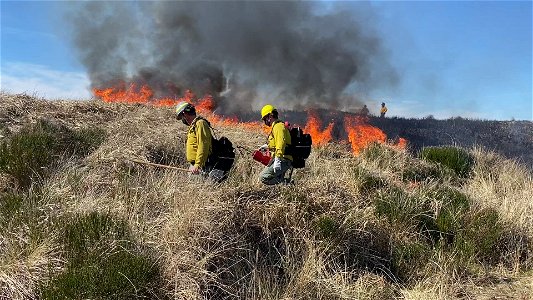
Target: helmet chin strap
[{"x": 185, "y": 122}]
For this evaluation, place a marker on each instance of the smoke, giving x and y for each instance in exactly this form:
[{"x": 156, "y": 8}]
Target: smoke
[{"x": 295, "y": 54}]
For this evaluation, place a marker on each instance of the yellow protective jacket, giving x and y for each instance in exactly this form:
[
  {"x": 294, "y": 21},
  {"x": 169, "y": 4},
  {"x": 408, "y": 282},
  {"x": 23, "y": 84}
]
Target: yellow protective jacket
[
  {"x": 383, "y": 109},
  {"x": 278, "y": 139},
  {"x": 199, "y": 142}
]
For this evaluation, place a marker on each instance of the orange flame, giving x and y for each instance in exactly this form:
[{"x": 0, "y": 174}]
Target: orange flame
[
  {"x": 205, "y": 104},
  {"x": 131, "y": 94},
  {"x": 313, "y": 127},
  {"x": 361, "y": 134},
  {"x": 402, "y": 143}
]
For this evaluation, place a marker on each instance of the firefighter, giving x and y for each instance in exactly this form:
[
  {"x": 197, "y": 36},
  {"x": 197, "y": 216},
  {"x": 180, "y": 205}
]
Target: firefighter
[
  {"x": 278, "y": 140},
  {"x": 199, "y": 139},
  {"x": 383, "y": 110},
  {"x": 364, "y": 111}
]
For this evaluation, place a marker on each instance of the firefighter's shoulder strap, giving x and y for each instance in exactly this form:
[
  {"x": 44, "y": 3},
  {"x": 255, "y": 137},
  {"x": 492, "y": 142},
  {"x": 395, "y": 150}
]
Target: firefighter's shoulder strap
[
  {"x": 198, "y": 118},
  {"x": 272, "y": 128}
]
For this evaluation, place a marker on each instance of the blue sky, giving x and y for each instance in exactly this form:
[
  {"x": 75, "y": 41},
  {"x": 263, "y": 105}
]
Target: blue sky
[{"x": 454, "y": 58}]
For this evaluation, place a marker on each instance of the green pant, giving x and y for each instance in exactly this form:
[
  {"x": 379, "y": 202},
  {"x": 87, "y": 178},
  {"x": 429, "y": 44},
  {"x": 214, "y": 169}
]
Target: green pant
[{"x": 269, "y": 176}]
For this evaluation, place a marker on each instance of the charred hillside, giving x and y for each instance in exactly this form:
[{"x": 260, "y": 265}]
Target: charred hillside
[{"x": 513, "y": 139}]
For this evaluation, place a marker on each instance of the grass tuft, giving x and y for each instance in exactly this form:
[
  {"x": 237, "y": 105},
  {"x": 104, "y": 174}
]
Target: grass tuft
[
  {"x": 28, "y": 154},
  {"x": 409, "y": 259},
  {"x": 325, "y": 226},
  {"x": 166, "y": 155},
  {"x": 103, "y": 262},
  {"x": 452, "y": 206},
  {"x": 31, "y": 153},
  {"x": 10, "y": 205},
  {"x": 456, "y": 159},
  {"x": 401, "y": 208},
  {"x": 82, "y": 142},
  {"x": 481, "y": 236}
]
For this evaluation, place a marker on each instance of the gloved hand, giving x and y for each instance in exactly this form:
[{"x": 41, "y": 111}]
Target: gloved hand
[
  {"x": 194, "y": 169},
  {"x": 263, "y": 148},
  {"x": 277, "y": 164}
]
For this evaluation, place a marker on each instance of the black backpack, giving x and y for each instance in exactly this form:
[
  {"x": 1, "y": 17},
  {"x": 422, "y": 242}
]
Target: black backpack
[
  {"x": 223, "y": 154},
  {"x": 300, "y": 147}
]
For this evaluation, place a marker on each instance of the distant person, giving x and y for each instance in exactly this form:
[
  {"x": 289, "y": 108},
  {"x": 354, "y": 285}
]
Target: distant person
[
  {"x": 383, "y": 110},
  {"x": 278, "y": 140},
  {"x": 364, "y": 111},
  {"x": 335, "y": 132}
]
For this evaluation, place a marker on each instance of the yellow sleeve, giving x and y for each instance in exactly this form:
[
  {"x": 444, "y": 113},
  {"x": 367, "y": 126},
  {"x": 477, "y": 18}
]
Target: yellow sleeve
[
  {"x": 279, "y": 137},
  {"x": 203, "y": 135}
]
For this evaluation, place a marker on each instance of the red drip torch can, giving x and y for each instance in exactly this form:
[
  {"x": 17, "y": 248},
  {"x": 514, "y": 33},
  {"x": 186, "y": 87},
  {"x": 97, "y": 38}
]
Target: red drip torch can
[{"x": 262, "y": 157}]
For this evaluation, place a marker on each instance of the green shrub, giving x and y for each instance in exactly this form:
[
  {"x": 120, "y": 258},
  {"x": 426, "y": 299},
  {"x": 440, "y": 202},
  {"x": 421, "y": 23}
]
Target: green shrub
[
  {"x": 19, "y": 212},
  {"x": 409, "y": 259},
  {"x": 10, "y": 205},
  {"x": 325, "y": 226},
  {"x": 458, "y": 160},
  {"x": 480, "y": 237},
  {"x": 119, "y": 275},
  {"x": 87, "y": 234},
  {"x": 25, "y": 233},
  {"x": 449, "y": 220},
  {"x": 420, "y": 171},
  {"x": 4, "y": 131},
  {"x": 102, "y": 262},
  {"x": 399, "y": 207},
  {"x": 374, "y": 151},
  {"x": 30, "y": 154},
  {"x": 419, "y": 212},
  {"x": 85, "y": 140},
  {"x": 369, "y": 182}
]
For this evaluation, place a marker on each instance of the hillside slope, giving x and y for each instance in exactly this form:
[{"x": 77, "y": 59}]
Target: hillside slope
[{"x": 79, "y": 219}]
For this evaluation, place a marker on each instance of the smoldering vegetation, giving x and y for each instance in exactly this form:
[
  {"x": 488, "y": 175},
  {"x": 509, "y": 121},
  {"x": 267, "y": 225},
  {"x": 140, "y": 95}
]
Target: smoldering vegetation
[{"x": 80, "y": 220}]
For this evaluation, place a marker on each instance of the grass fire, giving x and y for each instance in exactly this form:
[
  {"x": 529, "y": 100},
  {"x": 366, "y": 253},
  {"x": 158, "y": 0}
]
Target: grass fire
[
  {"x": 359, "y": 133},
  {"x": 385, "y": 208}
]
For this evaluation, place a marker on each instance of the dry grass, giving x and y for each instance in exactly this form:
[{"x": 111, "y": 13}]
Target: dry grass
[
  {"x": 29, "y": 250},
  {"x": 319, "y": 239},
  {"x": 504, "y": 185}
]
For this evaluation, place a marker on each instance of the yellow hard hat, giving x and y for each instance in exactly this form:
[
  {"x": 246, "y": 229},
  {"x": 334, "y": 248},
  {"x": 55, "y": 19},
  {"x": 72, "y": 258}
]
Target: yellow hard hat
[{"x": 267, "y": 109}]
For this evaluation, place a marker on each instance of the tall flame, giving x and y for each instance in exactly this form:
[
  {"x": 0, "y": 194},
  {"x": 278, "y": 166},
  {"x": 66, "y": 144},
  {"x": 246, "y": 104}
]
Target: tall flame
[
  {"x": 313, "y": 127},
  {"x": 361, "y": 134}
]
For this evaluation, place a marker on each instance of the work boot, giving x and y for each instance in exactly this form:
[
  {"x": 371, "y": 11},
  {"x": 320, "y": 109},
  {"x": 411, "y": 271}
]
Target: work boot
[{"x": 288, "y": 181}]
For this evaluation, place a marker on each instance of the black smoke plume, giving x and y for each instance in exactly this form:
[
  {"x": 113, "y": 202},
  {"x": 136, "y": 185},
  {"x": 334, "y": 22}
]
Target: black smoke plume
[{"x": 245, "y": 54}]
